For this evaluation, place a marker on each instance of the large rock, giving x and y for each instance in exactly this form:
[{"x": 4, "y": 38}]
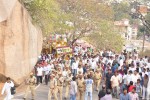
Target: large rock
[{"x": 20, "y": 41}]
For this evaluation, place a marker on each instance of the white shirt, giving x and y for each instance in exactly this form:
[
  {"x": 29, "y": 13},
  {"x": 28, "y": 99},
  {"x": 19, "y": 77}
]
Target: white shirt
[
  {"x": 115, "y": 80},
  {"x": 125, "y": 79},
  {"x": 73, "y": 88},
  {"x": 93, "y": 65},
  {"x": 135, "y": 77},
  {"x": 6, "y": 89},
  {"x": 80, "y": 70},
  {"x": 75, "y": 65},
  {"x": 46, "y": 70},
  {"x": 129, "y": 78},
  {"x": 88, "y": 83},
  {"x": 39, "y": 71}
]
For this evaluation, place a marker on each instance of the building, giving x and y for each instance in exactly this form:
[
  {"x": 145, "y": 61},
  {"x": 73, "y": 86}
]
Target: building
[{"x": 126, "y": 30}]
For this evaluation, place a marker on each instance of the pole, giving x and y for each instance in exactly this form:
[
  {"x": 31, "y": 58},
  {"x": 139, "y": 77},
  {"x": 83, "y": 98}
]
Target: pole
[{"x": 143, "y": 41}]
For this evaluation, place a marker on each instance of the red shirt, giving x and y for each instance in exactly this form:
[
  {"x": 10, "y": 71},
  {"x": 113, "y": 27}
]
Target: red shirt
[{"x": 130, "y": 88}]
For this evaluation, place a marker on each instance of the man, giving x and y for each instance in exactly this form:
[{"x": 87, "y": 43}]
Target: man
[
  {"x": 73, "y": 89},
  {"x": 88, "y": 87},
  {"x": 79, "y": 69},
  {"x": 68, "y": 80},
  {"x": 102, "y": 93},
  {"x": 46, "y": 70},
  {"x": 39, "y": 73},
  {"x": 7, "y": 89},
  {"x": 115, "y": 84},
  {"x": 97, "y": 78},
  {"x": 135, "y": 77},
  {"x": 60, "y": 81},
  {"x": 52, "y": 88},
  {"x": 124, "y": 95},
  {"x": 74, "y": 67},
  {"x": 31, "y": 86},
  {"x": 93, "y": 65},
  {"x": 80, "y": 83},
  {"x": 107, "y": 79},
  {"x": 133, "y": 94}
]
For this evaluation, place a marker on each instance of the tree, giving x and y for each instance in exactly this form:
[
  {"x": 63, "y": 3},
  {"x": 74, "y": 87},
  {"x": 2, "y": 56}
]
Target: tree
[
  {"x": 121, "y": 11},
  {"x": 47, "y": 14},
  {"x": 107, "y": 38},
  {"x": 86, "y": 16}
]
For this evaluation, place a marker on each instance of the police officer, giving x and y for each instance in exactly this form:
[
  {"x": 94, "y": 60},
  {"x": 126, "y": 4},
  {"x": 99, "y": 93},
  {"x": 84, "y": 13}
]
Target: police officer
[
  {"x": 60, "y": 81},
  {"x": 52, "y": 88},
  {"x": 31, "y": 86},
  {"x": 68, "y": 80},
  {"x": 97, "y": 78},
  {"x": 80, "y": 83}
]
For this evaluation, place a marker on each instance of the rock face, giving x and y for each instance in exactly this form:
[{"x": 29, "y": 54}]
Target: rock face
[{"x": 20, "y": 41}]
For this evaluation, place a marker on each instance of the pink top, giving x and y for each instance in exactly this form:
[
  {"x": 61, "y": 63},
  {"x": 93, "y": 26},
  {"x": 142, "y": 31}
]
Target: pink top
[{"x": 134, "y": 96}]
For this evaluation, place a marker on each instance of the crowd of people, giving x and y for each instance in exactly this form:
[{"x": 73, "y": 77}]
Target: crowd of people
[{"x": 124, "y": 76}]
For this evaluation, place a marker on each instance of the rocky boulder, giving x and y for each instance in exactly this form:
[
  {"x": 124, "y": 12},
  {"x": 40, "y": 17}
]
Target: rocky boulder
[{"x": 20, "y": 41}]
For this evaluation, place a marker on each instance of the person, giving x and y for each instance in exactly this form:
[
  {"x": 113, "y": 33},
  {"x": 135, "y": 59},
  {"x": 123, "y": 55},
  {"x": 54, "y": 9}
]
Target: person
[
  {"x": 97, "y": 78},
  {"x": 52, "y": 88},
  {"x": 88, "y": 87},
  {"x": 108, "y": 95},
  {"x": 115, "y": 84},
  {"x": 68, "y": 80},
  {"x": 138, "y": 88},
  {"x": 80, "y": 83},
  {"x": 39, "y": 73},
  {"x": 125, "y": 95},
  {"x": 31, "y": 86},
  {"x": 133, "y": 94},
  {"x": 131, "y": 86},
  {"x": 60, "y": 81},
  {"x": 7, "y": 89},
  {"x": 107, "y": 79},
  {"x": 102, "y": 92},
  {"x": 46, "y": 70},
  {"x": 73, "y": 89},
  {"x": 145, "y": 83}
]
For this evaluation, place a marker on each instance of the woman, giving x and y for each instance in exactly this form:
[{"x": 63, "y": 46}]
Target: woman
[{"x": 7, "y": 89}]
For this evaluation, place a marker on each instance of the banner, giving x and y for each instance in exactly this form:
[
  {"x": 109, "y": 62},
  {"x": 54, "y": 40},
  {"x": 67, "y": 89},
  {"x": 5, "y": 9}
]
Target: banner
[{"x": 64, "y": 50}]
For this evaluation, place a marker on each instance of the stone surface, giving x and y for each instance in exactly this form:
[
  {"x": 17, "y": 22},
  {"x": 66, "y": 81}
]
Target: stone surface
[{"x": 20, "y": 41}]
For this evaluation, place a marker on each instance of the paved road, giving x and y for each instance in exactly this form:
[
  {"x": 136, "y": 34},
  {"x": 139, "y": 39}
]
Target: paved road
[{"x": 42, "y": 94}]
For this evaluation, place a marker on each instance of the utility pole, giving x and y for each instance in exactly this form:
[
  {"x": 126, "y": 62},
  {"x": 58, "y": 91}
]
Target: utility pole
[{"x": 143, "y": 46}]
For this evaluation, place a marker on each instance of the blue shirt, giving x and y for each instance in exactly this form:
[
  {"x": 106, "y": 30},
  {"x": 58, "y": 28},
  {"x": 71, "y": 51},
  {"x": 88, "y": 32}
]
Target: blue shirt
[{"x": 124, "y": 97}]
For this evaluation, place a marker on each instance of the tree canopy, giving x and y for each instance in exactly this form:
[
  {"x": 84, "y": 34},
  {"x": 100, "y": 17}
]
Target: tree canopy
[{"x": 77, "y": 19}]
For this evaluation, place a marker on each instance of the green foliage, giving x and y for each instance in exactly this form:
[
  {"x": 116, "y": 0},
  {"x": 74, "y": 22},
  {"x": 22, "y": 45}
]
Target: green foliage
[
  {"x": 107, "y": 38},
  {"x": 47, "y": 14},
  {"x": 121, "y": 11},
  {"x": 85, "y": 16}
]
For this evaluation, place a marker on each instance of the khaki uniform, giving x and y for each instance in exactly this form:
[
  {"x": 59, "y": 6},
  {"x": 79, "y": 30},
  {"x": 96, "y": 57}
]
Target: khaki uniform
[
  {"x": 31, "y": 86},
  {"x": 68, "y": 80},
  {"x": 97, "y": 78},
  {"x": 60, "y": 81},
  {"x": 52, "y": 89},
  {"x": 80, "y": 83}
]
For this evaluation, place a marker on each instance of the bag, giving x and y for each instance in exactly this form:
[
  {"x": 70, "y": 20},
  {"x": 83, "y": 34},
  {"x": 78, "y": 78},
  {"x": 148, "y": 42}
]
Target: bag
[{"x": 13, "y": 90}]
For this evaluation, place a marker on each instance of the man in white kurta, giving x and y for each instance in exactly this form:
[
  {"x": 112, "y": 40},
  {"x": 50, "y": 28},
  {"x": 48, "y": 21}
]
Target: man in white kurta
[{"x": 6, "y": 88}]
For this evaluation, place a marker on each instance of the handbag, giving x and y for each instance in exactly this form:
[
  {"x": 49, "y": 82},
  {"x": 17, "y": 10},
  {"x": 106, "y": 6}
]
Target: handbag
[{"x": 13, "y": 90}]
